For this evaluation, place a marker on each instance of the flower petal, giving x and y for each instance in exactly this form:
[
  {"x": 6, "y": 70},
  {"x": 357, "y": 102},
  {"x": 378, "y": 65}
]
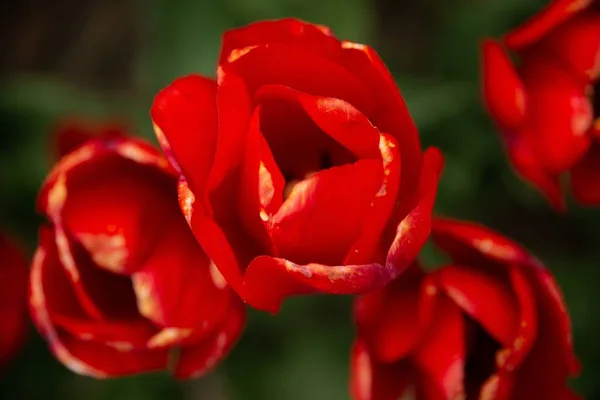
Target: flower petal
[
  {"x": 484, "y": 298},
  {"x": 391, "y": 115},
  {"x": 185, "y": 295},
  {"x": 210, "y": 235},
  {"x": 441, "y": 354},
  {"x": 185, "y": 122},
  {"x": 527, "y": 163},
  {"x": 585, "y": 177},
  {"x": 412, "y": 232},
  {"x": 390, "y": 320},
  {"x": 551, "y": 359},
  {"x": 285, "y": 30},
  {"x": 576, "y": 44},
  {"x": 463, "y": 240},
  {"x": 525, "y": 334},
  {"x": 324, "y": 214},
  {"x": 503, "y": 90},
  {"x": 559, "y": 112},
  {"x": 82, "y": 357},
  {"x": 335, "y": 117},
  {"x": 95, "y": 194},
  {"x": 262, "y": 184},
  {"x": 367, "y": 246},
  {"x": 268, "y": 280},
  {"x": 556, "y": 12},
  {"x": 371, "y": 380},
  {"x": 196, "y": 360},
  {"x": 301, "y": 68}
]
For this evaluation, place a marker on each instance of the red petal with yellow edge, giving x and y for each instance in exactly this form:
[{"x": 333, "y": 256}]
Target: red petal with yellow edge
[
  {"x": 286, "y": 30},
  {"x": 390, "y": 113},
  {"x": 185, "y": 122}
]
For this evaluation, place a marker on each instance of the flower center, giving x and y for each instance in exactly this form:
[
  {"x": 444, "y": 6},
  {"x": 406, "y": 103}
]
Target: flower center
[
  {"x": 300, "y": 148},
  {"x": 291, "y": 180}
]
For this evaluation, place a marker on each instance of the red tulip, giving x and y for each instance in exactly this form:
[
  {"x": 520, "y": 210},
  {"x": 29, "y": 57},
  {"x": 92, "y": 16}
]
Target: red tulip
[
  {"x": 301, "y": 168},
  {"x": 548, "y": 107},
  {"x": 119, "y": 284},
  {"x": 13, "y": 299},
  {"x": 491, "y": 324}
]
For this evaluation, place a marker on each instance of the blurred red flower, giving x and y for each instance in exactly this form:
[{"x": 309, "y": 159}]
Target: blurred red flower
[
  {"x": 548, "y": 107},
  {"x": 491, "y": 324},
  {"x": 301, "y": 167},
  {"x": 119, "y": 285},
  {"x": 13, "y": 299}
]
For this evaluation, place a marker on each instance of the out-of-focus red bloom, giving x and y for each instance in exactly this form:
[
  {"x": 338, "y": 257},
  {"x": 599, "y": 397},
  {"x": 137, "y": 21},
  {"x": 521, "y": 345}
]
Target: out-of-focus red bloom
[
  {"x": 13, "y": 299},
  {"x": 548, "y": 106},
  {"x": 69, "y": 133},
  {"x": 119, "y": 284},
  {"x": 302, "y": 169},
  {"x": 491, "y": 324}
]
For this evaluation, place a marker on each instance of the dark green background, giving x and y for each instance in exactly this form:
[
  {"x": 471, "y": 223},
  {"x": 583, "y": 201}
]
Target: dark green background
[{"x": 108, "y": 58}]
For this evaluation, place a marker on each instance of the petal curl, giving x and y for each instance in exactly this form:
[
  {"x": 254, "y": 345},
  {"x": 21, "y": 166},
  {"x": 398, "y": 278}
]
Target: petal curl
[
  {"x": 460, "y": 239},
  {"x": 268, "y": 280}
]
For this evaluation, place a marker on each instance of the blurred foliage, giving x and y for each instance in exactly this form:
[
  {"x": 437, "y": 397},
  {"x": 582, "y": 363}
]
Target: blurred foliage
[{"x": 303, "y": 353}]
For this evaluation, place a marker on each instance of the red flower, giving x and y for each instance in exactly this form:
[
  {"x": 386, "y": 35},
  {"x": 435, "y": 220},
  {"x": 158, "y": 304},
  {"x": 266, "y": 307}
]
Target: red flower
[
  {"x": 301, "y": 168},
  {"x": 491, "y": 324},
  {"x": 13, "y": 299},
  {"x": 548, "y": 109},
  {"x": 119, "y": 284}
]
